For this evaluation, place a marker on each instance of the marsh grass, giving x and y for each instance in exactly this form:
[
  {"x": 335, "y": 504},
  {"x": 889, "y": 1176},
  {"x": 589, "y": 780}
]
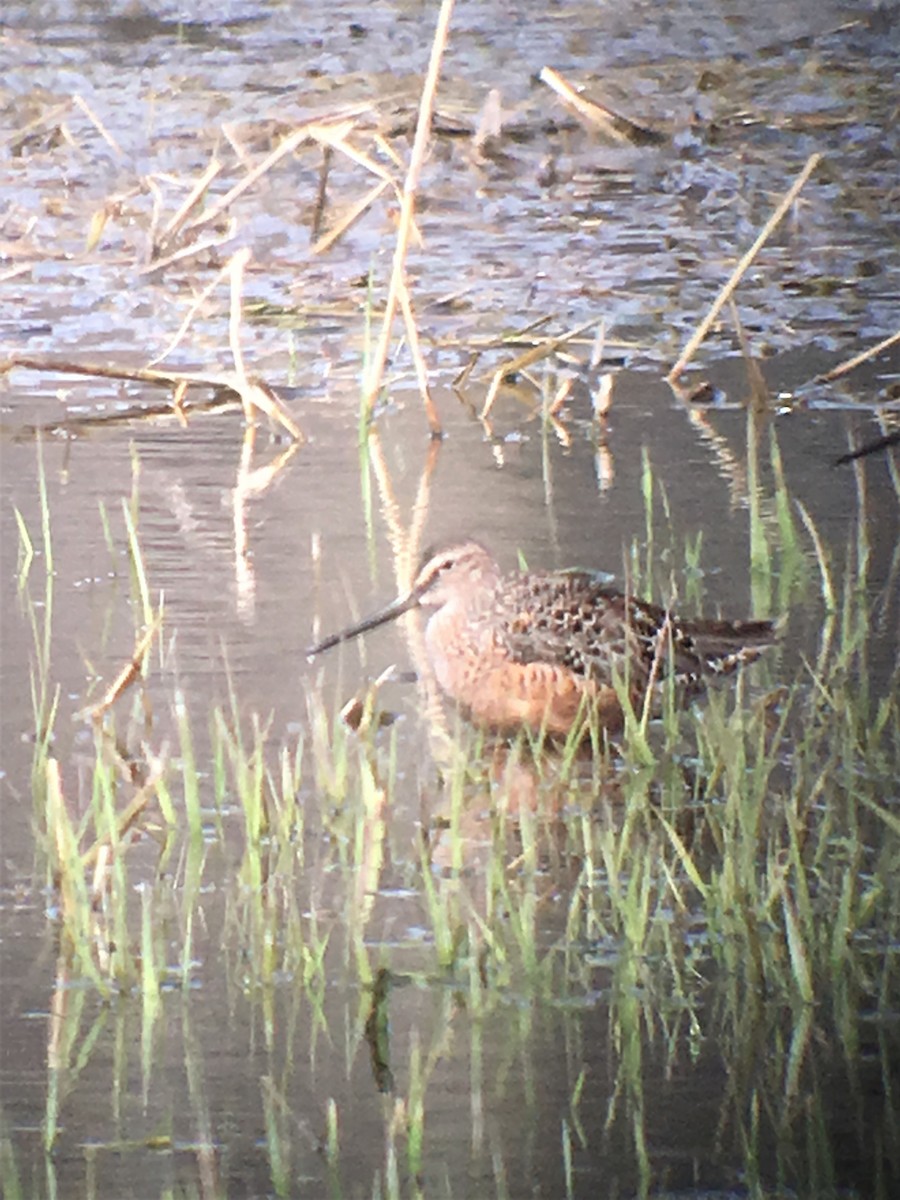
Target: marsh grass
[{"x": 726, "y": 877}]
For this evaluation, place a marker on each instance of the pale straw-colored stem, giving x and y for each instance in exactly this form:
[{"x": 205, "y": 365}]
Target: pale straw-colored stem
[
  {"x": 737, "y": 274},
  {"x": 407, "y": 211}
]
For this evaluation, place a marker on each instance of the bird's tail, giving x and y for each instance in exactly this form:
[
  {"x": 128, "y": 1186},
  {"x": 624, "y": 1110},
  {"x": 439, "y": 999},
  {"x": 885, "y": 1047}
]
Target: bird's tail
[{"x": 723, "y": 646}]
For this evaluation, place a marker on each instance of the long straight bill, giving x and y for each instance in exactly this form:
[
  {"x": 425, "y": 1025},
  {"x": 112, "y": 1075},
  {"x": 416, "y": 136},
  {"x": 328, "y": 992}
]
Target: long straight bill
[{"x": 395, "y": 609}]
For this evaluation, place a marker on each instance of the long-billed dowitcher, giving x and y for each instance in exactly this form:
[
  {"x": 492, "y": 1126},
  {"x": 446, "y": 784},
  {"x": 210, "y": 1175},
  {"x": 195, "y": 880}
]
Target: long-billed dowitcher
[{"x": 544, "y": 649}]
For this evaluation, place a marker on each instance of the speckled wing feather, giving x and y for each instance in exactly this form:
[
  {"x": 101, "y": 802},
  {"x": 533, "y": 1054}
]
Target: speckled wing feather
[
  {"x": 568, "y": 619},
  {"x": 571, "y": 619}
]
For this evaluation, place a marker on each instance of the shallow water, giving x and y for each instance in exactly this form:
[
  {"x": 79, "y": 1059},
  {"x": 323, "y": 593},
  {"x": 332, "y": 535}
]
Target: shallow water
[{"x": 227, "y": 1091}]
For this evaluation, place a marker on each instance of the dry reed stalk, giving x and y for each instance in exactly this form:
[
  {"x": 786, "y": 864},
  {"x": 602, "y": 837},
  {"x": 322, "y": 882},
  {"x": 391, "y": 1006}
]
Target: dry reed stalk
[
  {"x": 131, "y": 671},
  {"x": 260, "y": 395},
  {"x": 336, "y": 139},
  {"x": 230, "y": 134},
  {"x": 332, "y": 141},
  {"x": 407, "y": 211},
  {"x": 81, "y": 103},
  {"x": 602, "y": 397},
  {"x": 520, "y": 336},
  {"x": 255, "y": 394},
  {"x": 66, "y": 366},
  {"x": 327, "y": 130},
  {"x": 178, "y": 408},
  {"x": 387, "y": 149},
  {"x": 194, "y": 197},
  {"x": 532, "y": 355},
  {"x": 57, "y": 1025},
  {"x": 155, "y": 215},
  {"x": 322, "y": 192},
  {"x": 51, "y": 117},
  {"x": 599, "y": 345},
  {"x": 236, "y": 266},
  {"x": 215, "y": 242},
  {"x": 738, "y": 273},
  {"x": 858, "y": 359},
  {"x": 415, "y": 350},
  {"x": 287, "y": 146},
  {"x": 562, "y": 394},
  {"x": 478, "y": 347},
  {"x": 562, "y": 434},
  {"x": 22, "y": 269},
  {"x": 349, "y": 219},
  {"x": 61, "y": 830},
  {"x": 189, "y": 316},
  {"x": 102, "y": 849},
  {"x": 594, "y": 115}
]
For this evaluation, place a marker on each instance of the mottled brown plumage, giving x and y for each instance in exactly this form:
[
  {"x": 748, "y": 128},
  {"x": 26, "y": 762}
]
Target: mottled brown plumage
[{"x": 544, "y": 649}]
